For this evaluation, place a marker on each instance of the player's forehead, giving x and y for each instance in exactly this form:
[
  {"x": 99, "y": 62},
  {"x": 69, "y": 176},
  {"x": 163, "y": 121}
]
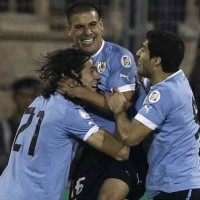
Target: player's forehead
[{"x": 84, "y": 17}]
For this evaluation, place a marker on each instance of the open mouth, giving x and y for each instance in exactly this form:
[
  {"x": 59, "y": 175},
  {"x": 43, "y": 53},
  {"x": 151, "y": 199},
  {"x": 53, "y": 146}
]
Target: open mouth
[{"x": 87, "y": 41}]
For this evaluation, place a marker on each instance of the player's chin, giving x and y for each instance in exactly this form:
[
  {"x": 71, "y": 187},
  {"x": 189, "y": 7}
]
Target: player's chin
[
  {"x": 91, "y": 49},
  {"x": 139, "y": 70}
]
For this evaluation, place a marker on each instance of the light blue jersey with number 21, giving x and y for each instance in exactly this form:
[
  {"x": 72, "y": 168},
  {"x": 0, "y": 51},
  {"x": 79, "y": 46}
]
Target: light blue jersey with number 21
[{"x": 43, "y": 149}]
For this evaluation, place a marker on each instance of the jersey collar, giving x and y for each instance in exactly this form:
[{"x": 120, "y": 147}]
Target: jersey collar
[{"x": 102, "y": 45}]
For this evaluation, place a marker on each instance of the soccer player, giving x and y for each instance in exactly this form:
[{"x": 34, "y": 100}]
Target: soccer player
[
  {"x": 169, "y": 114},
  {"x": 49, "y": 132},
  {"x": 117, "y": 69}
]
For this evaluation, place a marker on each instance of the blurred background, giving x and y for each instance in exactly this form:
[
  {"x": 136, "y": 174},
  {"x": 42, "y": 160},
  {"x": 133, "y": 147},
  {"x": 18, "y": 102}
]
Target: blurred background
[{"x": 29, "y": 28}]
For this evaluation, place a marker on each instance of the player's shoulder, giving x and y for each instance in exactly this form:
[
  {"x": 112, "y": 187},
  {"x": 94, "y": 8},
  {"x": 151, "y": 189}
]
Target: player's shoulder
[
  {"x": 116, "y": 48},
  {"x": 164, "y": 92},
  {"x": 64, "y": 103},
  {"x": 119, "y": 55},
  {"x": 167, "y": 87},
  {"x": 56, "y": 103}
]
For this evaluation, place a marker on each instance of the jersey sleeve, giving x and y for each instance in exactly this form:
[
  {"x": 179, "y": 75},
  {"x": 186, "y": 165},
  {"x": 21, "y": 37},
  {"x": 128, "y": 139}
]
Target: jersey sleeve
[
  {"x": 79, "y": 124},
  {"x": 122, "y": 71},
  {"x": 156, "y": 108}
]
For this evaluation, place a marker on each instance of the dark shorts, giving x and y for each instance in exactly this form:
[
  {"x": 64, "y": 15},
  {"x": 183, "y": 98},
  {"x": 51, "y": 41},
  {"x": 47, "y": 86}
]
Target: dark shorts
[
  {"x": 94, "y": 167},
  {"x": 128, "y": 173},
  {"x": 180, "y": 195},
  {"x": 88, "y": 175}
]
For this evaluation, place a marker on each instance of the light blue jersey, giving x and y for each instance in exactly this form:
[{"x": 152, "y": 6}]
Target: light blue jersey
[
  {"x": 170, "y": 111},
  {"x": 44, "y": 147},
  {"x": 117, "y": 69}
]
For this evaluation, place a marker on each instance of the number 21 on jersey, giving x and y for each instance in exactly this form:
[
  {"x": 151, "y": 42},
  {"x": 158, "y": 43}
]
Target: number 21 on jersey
[{"x": 30, "y": 112}]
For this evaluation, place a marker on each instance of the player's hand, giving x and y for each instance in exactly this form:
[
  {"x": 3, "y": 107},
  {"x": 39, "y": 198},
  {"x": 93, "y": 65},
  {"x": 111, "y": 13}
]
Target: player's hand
[{"x": 116, "y": 101}]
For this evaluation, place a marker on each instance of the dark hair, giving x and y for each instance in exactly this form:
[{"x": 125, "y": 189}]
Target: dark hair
[
  {"x": 58, "y": 63},
  {"x": 81, "y": 7},
  {"x": 168, "y": 46},
  {"x": 26, "y": 82}
]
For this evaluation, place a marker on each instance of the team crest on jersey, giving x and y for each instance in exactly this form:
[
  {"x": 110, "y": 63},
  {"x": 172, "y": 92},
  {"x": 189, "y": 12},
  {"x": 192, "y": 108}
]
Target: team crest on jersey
[
  {"x": 83, "y": 114},
  {"x": 126, "y": 61},
  {"x": 101, "y": 66},
  {"x": 154, "y": 96}
]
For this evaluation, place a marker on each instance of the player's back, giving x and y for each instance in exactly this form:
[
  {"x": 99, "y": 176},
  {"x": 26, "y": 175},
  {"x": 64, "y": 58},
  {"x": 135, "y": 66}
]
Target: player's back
[{"x": 42, "y": 152}]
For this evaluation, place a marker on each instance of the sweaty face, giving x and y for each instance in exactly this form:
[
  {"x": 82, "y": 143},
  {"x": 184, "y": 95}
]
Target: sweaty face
[
  {"x": 86, "y": 31},
  {"x": 89, "y": 76},
  {"x": 144, "y": 61}
]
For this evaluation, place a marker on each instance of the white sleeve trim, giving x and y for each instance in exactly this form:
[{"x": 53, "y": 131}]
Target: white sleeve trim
[
  {"x": 146, "y": 121},
  {"x": 126, "y": 88},
  {"x": 94, "y": 129}
]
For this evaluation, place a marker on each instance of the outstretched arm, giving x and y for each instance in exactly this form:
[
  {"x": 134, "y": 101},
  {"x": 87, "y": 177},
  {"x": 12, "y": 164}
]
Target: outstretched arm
[{"x": 94, "y": 98}]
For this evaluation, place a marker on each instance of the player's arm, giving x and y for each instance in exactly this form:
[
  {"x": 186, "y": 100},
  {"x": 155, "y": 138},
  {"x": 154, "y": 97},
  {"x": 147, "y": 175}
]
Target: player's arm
[
  {"x": 98, "y": 99},
  {"x": 91, "y": 97},
  {"x": 131, "y": 132},
  {"x": 109, "y": 144}
]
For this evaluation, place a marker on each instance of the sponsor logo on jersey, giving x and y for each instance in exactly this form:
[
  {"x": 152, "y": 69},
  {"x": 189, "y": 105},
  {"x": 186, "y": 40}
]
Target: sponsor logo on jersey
[
  {"x": 154, "y": 96},
  {"x": 126, "y": 61},
  {"x": 90, "y": 123},
  {"x": 124, "y": 76},
  {"x": 101, "y": 66},
  {"x": 147, "y": 108},
  {"x": 83, "y": 114}
]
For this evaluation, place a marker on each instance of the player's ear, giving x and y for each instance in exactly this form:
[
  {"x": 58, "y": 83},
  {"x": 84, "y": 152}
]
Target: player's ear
[
  {"x": 68, "y": 28},
  {"x": 101, "y": 25},
  {"x": 157, "y": 60}
]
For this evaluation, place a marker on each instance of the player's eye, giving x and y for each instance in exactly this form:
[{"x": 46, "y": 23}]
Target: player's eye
[
  {"x": 79, "y": 27},
  {"x": 93, "y": 24}
]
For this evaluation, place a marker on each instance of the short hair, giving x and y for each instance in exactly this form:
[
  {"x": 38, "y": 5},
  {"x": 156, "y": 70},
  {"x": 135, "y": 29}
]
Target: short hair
[
  {"x": 82, "y": 7},
  {"x": 26, "y": 82},
  {"x": 61, "y": 62},
  {"x": 168, "y": 46}
]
